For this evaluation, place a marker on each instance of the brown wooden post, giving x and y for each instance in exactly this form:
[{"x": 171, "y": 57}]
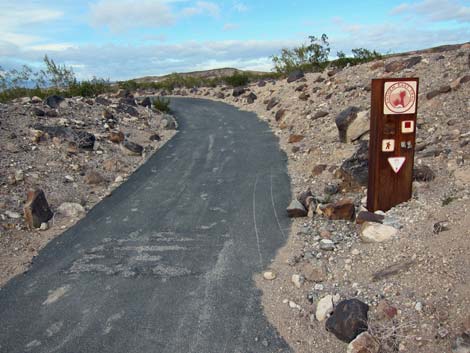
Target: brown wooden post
[{"x": 394, "y": 105}]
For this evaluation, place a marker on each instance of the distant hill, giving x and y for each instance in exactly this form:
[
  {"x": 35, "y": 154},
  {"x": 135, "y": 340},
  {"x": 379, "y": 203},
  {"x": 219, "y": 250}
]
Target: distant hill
[{"x": 207, "y": 74}]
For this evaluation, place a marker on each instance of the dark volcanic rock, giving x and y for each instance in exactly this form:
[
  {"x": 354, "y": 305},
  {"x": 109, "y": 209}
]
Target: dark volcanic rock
[
  {"x": 85, "y": 140},
  {"x": 272, "y": 103},
  {"x": 251, "y": 98},
  {"x": 132, "y": 148},
  {"x": 124, "y": 108},
  {"x": 238, "y": 91},
  {"x": 53, "y": 101},
  {"x": 261, "y": 83},
  {"x": 38, "y": 112},
  {"x": 155, "y": 137},
  {"x": 349, "y": 319},
  {"x": 36, "y": 210},
  {"x": 423, "y": 173},
  {"x": 146, "y": 102},
  {"x": 294, "y": 76},
  {"x": 354, "y": 170},
  {"x": 319, "y": 114},
  {"x": 344, "y": 119},
  {"x": 280, "y": 114}
]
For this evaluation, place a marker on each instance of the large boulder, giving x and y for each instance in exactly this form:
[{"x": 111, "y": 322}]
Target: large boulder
[
  {"x": 355, "y": 170},
  {"x": 251, "y": 97},
  {"x": 349, "y": 319},
  {"x": 352, "y": 123},
  {"x": 53, "y": 101},
  {"x": 36, "y": 210},
  {"x": 295, "y": 75},
  {"x": 238, "y": 91}
]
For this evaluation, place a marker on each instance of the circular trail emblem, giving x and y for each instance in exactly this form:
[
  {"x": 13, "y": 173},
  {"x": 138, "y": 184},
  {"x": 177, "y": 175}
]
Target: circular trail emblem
[{"x": 400, "y": 97}]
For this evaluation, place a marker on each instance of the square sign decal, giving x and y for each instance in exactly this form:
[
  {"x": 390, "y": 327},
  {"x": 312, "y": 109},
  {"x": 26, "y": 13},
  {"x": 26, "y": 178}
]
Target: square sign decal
[
  {"x": 400, "y": 97},
  {"x": 407, "y": 126}
]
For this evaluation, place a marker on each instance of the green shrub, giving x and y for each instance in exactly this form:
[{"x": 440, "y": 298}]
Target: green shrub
[
  {"x": 237, "y": 79},
  {"x": 360, "y": 56},
  {"x": 161, "y": 104}
]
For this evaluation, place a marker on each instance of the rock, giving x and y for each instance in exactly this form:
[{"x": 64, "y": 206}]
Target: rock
[
  {"x": 376, "y": 232},
  {"x": 304, "y": 96},
  {"x": 132, "y": 148},
  {"x": 52, "y": 114},
  {"x": 301, "y": 87},
  {"x": 352, "y": 124},
  {"x": 12, "y": 214},
  {"x": 155, "y": 137},
  {"x": 295, "y": 138},
  {"x": 124, "y": 93},
  {"x": 325, "y": 306},
  {"x": 19, "y": 175},
  {"x": 44, "y": 226},
  {"x": 261, "y": 83},
  {"x": 128, "y": 101},
  {"x": 366, "y": 216},
  {"x": 38, "y": 112},
  {"x": 319, "y": 114},
  {"x": 85, "y": 140},
  {"x": 146, "y": 102},
  {"x": 251, "y": 98},
  {"x": 72, "y": 147},
  {"x": 314, "y": 272},
  {"x": 102, "y": 101},
  {"x": 269, "y": 275},
  {"x": 364, "y": 343},
  {"x": 414, "y": 60},
  {"x": 331, "y": 189},
  {"x": 294, "y": 76},
  {"x": 318, "y": 169},
  {"x": 394, "y": 66},
  {"x": 116, "y": 136},
  {"x": 423, "y": 173},
  {"x": 220, "y": 95},
  {"x": 71, "y": 209},
  {"x": 297, "y": 280},
  {"x": 36, "y": 100},
  {"x": 53, "y": 101},
  {"x": 169, "y": 122},
  {"x": 280, "y": 114},
  {"x": 94, "y": 178},
  {"x": 304, "y": 196},
  {"x": 349, "y": 319},
  {"x": 436, "y": 92},
  {"x": 272, "y": 103},
  {"x": 385, "y": 310},
  {"x": 327, "y": 245},
  {"x": 119, "y": 179},
  {"x": 36, "y": 210},
  {"x": 238, "y": 91},
  {"x": 124, "y": 108},
  {"x": 112, "y": 165},
  {"x": 296, "y": 209},
  {"x": 354, "y": 170},
  {"x": 461, "y": 344},
  {"x": 343, "y": 209}
]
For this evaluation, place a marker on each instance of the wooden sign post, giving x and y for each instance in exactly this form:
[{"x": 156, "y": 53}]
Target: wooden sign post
[{"x": 394, "y": 105}]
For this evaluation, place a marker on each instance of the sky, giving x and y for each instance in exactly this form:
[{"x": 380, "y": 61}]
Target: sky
[{"x": 124, "y": 39}]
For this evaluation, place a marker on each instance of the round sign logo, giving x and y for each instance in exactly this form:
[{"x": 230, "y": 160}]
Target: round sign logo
[{"x": 400, "y": 97}]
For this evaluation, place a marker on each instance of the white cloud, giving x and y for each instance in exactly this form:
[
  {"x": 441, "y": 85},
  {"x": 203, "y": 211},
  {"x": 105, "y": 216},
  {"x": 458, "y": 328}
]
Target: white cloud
[
  {"x": 202, "y": 7},
  {"x": 50, "y": 47},
  {"x": 435, "y": 10},
  {"x": 121, "y": 15}
]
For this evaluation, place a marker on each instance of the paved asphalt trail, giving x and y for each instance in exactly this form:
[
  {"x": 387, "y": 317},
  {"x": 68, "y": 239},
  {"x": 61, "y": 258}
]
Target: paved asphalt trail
[{"x": 165, "y": 264}]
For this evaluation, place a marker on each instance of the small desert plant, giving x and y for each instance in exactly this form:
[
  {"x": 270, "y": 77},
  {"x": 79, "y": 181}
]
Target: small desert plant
[
  {"x": 237, "y": 79},
  {"x": 161, "y": 104}
]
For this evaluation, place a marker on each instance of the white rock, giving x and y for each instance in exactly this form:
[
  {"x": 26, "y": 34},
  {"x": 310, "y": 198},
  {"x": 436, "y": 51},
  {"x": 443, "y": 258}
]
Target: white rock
[
  {"x": 71, "y": 209},
  {"x": 19, "y": 175},
  {"x": 327, "y": 244},
  {"x": 293, "y": 305},
  {"x": 12, "y": 214},
  {"x": 119, "y": 179},
  {"x": 44, "y": 226},
  {"x": 297, "y": 280},
  {"x": 269, "y": 275},
  {"x": 359, "y": 126},
  {"x": 419, "y": 306},
  {"x": 364, "y": 343},
  {"x": 325, "y": 306},
  {"x": 372, "y": 232}
]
